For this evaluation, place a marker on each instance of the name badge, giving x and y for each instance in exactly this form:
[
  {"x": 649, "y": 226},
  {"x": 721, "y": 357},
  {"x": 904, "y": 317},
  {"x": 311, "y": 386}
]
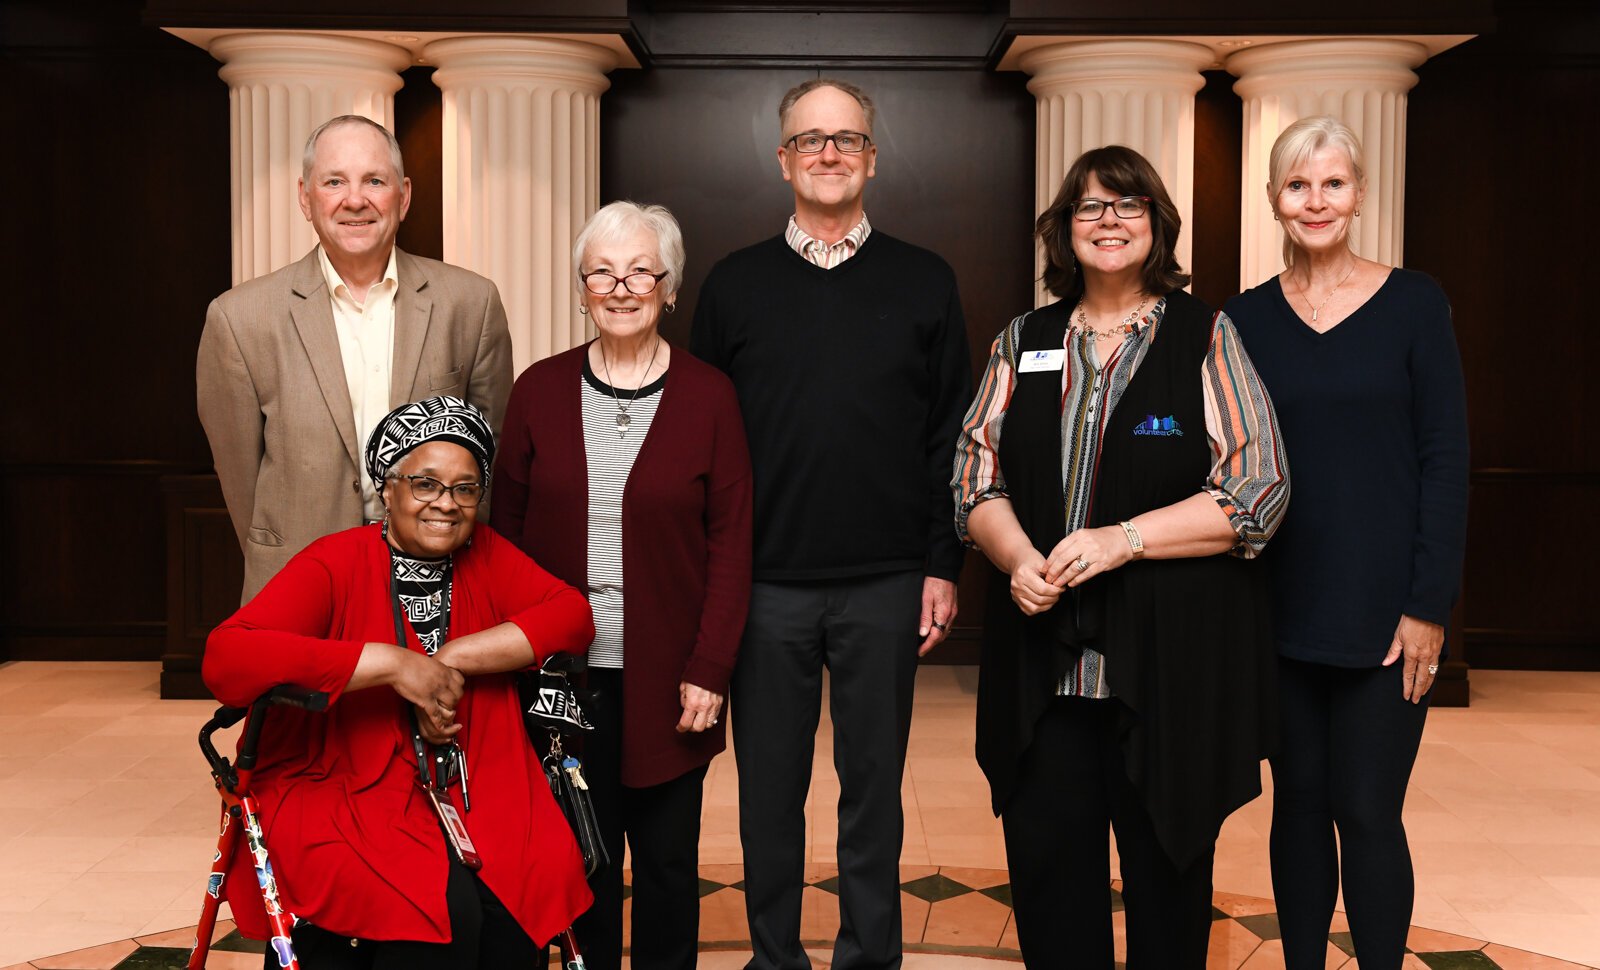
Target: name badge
[{"x": 1038, "y": 360}]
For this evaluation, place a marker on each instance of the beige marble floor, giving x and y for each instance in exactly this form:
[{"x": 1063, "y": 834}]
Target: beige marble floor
[{"x": 106, "y": 812}]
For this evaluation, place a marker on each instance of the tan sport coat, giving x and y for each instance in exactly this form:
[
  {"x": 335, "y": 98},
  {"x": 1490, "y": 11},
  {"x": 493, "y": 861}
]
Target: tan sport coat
[{"x": 276, "y": 407}]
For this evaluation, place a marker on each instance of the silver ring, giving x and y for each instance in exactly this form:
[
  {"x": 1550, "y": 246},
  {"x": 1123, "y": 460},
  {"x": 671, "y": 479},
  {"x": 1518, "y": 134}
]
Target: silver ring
[
  {"x": 1082, "y": 564},
  {"x": 1433, "y": 668},
  {"x": 712, "y": 722},
  {"x": 940, "y": 626}
]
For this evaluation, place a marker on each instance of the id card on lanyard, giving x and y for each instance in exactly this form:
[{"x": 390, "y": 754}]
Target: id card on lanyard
[{"x": 451, "y": 760}]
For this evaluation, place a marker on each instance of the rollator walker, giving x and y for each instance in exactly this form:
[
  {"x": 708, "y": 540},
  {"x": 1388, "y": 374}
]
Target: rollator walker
[{"x": 242, "y": 814}]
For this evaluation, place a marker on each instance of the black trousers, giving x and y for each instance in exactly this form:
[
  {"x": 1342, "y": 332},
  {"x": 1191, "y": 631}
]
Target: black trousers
[
  {"x": 864, "y": 631},
  {"x": 661, "y": 824},
  {"x": 1348, "y": 742},
  {"x": 483, "y": 934},
  {"x": 1073, "y": 784}
]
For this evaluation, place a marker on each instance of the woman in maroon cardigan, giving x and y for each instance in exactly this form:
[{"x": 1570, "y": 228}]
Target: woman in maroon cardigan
[
  {"x": 623, "y": 469},
  {"x": 360, "y": 855}
]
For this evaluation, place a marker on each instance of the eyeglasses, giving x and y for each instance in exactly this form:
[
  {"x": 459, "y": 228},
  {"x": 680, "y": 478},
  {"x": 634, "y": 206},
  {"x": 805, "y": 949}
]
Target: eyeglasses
[
  {"x": 811, "y": 142},
  {"x": 604, "y": 284},
  {"x": 1127, "y": 207},
  {"x": 425, "y": 489}
]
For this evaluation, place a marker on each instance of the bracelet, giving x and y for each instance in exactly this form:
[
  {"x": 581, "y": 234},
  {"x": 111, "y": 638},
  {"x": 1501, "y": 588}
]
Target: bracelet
[{"x": 1134, "y": 541}]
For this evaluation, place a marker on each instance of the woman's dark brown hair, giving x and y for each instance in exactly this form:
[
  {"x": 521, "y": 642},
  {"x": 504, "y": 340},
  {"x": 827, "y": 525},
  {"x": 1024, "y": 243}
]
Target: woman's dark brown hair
[{"x": 1122, "y": 171}]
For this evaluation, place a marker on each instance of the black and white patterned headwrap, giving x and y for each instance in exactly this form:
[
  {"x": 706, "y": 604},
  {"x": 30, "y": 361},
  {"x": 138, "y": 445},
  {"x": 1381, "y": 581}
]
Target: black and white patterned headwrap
[{"x": 435, "y": 419}]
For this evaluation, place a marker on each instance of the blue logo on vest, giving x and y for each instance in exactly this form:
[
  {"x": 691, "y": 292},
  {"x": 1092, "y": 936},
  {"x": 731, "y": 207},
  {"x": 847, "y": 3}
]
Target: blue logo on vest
[{"x": 1162, "y": 427}]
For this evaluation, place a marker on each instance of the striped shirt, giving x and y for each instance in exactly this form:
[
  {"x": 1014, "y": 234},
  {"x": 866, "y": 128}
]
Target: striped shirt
[
  {"x": 610, "y": 456},
  {"x": 1248, "y": 479},
  {"x": 820, "y": 253}
]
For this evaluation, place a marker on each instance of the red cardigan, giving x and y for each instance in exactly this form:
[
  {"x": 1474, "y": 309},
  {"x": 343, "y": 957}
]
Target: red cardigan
[
  {"x": 356, "y": 848},
  {"x": 685, "y": 539}
]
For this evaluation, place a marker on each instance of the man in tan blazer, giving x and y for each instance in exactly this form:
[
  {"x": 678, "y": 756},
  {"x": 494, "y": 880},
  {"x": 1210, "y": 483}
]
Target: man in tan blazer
[{"x": 296, "y": 368}]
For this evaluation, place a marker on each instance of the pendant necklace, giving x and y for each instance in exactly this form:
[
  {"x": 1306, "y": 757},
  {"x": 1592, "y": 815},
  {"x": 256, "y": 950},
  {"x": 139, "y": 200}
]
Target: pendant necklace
[
  {"x": 623, "y": 420},
  {"x": 1126, "y": 326},
  {"x": 1318, "y": 308}
]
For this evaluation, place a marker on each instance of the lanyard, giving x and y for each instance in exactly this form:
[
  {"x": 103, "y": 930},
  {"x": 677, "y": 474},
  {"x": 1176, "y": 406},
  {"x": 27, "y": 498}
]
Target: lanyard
[{"x": 450, "y": 760}]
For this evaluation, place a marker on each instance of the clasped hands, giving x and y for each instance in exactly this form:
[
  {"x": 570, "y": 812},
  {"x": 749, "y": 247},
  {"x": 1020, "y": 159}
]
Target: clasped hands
[
  {"x": 434, "y": 688},
  {"x": 1037, "y": 581}
]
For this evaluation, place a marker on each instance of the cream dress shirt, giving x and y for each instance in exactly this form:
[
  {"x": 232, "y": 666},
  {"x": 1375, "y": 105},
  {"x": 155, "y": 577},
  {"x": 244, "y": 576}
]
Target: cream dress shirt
[{"x": 366, "y": 342}]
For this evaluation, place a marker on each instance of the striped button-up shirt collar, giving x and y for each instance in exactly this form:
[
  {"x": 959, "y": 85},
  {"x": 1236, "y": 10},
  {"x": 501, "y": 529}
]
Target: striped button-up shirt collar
[{"x": 820, "y": 253}]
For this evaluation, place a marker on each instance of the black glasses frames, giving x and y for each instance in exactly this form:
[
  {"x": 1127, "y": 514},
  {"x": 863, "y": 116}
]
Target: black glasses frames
[
  {"x": 1127, "y": 207},
  {"x": 604, "y": 284},
  {"x": 812, "y": 142},
  {"x": 425, "y": 489}
]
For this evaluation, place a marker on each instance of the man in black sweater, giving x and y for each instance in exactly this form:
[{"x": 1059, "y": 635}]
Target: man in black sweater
[{"x": 849, "y": 354}]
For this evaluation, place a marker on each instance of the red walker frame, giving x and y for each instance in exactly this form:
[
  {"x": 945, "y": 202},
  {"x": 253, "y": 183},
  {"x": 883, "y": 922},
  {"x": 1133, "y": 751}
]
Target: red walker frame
[{"x": 241, "y": 813}]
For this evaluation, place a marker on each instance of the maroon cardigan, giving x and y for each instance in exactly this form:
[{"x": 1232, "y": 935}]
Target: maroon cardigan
[{"x": 686, "y": 540}]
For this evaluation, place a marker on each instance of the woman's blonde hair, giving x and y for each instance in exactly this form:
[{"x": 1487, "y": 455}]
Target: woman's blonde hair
[{"x": 1299, "y": 142}]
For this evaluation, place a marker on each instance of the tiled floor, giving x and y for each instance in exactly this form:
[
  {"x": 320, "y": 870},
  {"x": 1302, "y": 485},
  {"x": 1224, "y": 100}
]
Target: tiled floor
[{"x": 106, "y": 813}]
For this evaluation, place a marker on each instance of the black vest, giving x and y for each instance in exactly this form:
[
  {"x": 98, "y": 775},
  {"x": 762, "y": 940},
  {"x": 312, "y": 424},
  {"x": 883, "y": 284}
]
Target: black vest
[{"x": 1179, "y": 635}]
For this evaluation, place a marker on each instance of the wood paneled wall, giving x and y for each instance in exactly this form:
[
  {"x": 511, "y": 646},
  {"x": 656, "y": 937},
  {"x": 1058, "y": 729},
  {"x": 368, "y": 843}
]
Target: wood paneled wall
[
  {"x": 116, "y": 237},
  {"x": 1500, "y": 158}
]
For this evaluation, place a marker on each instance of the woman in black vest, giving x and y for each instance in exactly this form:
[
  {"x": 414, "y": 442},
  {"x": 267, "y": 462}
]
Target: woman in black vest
[{"x": 1119, "y": 465}]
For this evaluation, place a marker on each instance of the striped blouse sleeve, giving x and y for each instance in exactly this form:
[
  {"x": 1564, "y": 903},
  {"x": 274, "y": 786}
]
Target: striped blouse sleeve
[
  {"x": 977, "y": 477},
  {"x": 1249, "y": 477}
]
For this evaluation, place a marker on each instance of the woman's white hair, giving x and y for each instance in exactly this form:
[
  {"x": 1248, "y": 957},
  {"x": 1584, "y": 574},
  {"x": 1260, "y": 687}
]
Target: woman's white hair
[
  {"x": 617, "y": 219},
  {"x": 1299, "y": 142}
]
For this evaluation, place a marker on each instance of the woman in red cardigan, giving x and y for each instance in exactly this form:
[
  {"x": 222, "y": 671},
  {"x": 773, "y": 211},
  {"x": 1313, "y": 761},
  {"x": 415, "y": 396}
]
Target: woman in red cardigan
[
  {"x": 623, "y": 469},
  {"x": 359, "y": 853}
]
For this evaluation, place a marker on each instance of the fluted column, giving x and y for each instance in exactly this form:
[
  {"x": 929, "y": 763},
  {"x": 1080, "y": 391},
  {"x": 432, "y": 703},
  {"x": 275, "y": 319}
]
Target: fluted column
[
  {"x": 281, "y": 86},
  {"x": 522, "y": 173},
  {"x": 1138, "y": 93},
  {"x": 1363, "y": 81}
]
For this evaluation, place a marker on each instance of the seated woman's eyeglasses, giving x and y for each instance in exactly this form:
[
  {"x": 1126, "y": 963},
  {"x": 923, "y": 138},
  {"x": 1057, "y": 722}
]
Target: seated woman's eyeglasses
[
  {"x": 1127, "y": 207},
  {"x": 425, "y": 489},
  {"x": 604, "y": 284},
  {"x": 811, "y": 142}
]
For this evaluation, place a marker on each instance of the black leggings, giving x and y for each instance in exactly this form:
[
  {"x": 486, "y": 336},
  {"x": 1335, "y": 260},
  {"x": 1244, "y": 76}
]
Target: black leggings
[
  {"x": 482, "y": 934},
  {"x": 661, "y": 824},
  {"x": 1348, "y": 743}
]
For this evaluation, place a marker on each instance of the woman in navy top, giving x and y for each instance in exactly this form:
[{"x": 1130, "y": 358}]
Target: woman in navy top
[{"x": 1362, "y": 366}]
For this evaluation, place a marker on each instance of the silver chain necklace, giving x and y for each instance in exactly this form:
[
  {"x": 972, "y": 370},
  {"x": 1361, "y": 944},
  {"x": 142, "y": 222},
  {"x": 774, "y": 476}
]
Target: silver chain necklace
[
  {"x": 623, "y": 420},
  {"x": 1126, "y": 326}
]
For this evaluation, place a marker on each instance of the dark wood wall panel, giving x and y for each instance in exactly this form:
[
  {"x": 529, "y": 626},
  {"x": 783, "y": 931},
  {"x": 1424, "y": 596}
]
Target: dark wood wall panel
[
  {"x": 1218, "y": 170},
  {"x": 116, "y": 238},
  {"x": 419, "y": 126},
  {"x": 1490, "y": 121},
  {"x": 1522, "y": 610},
  {"x": 91, "y": 539},
  {"x": 954, "y": 174}
]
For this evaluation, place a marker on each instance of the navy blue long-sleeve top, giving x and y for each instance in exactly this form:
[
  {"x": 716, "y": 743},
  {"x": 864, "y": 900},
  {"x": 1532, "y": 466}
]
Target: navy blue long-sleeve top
[{"x": 1374, "y": 421}]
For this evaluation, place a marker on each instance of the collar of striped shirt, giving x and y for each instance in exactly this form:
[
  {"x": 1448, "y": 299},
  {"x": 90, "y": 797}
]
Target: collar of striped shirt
[{"x": 820, "y": 253}]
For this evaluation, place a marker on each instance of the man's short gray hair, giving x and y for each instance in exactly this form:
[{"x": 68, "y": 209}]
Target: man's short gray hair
[
  {"x": 806, "y": 87},
  {"x": 617, "y": 219},
  {"x": 347, "y": 121}
]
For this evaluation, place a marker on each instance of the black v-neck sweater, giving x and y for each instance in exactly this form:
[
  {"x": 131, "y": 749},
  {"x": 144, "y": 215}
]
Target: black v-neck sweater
[
  {"x": 852, "y": 381},
  {"x": 1374, "y": 420}
]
